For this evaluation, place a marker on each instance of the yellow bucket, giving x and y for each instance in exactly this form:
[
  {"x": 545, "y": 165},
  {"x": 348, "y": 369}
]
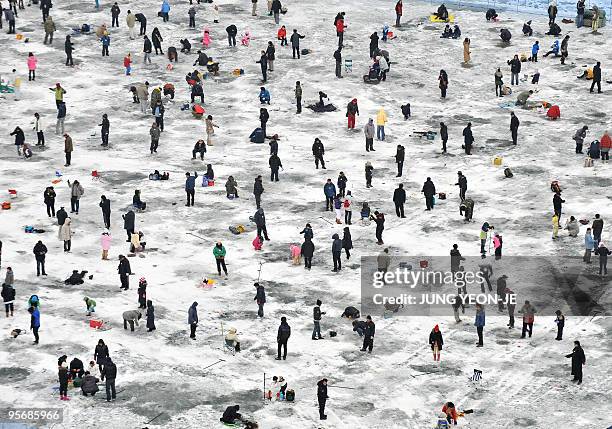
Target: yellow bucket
[{"x": 497, "y": 160}]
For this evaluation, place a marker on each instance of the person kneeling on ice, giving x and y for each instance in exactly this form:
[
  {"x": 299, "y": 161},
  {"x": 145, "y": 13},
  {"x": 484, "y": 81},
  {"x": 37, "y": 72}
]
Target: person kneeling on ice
[
  {"x": 231, "y": 340},
  {"x": 351, "y": 313},
  {"x": 279, "y": 384},
  {"x": 75, "y": 278},
  {"x": 91, "y": 305},
  {"x": 231, "y": 414},
  {"x": 521, "y": 99},
  {"x": 447, "y": 33},
  {"x": 257, "y": 243},
  {"x": 451, "y": 413},
  {"x": 89, "y": 385},
  {"x": 467, "y": 208},
  {"x": 264, "y": 95},
  {"x": 359, "y": 326}
]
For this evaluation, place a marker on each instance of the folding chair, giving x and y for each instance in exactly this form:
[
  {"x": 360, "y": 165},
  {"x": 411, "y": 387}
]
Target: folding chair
[
  {"x": 477, "y": 375},
  {"x": 229, "y": 346}
]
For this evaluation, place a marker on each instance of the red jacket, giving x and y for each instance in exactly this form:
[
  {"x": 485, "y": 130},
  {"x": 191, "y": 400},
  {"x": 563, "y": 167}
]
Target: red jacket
[
  {"x": 340, "y": 26},
  {"x": 605, "y": 142},
  {"x": 452, "y": 412},
  {"x": 127, "y": 61},
  {"x": 282, "y": 33},
  {"x": 399, "y": 8}
]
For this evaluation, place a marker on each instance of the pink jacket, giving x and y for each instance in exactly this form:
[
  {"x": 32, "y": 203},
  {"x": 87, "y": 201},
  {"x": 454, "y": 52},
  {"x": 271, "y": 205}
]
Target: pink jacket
[
  {"x": 295, "y": 251},
  {"x": 496, "y": 242},
  {"x": 257, "y": 243},
  {"x": 32, "y": 63},
  {"x": 105, "y": 240},
  {"x": 206, "y": 39}
]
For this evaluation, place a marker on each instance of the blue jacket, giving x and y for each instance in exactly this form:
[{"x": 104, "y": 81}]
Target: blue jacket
[
  {"x": 534, "y": 49},
  {"x": 480, "y": 318},
  {"x": 105, "y": 40},
  {"x": 190, "y": 182},
  {"x": 35, "y": 322},
  {"x": 589, "y": 243},
  {"x": 330, "y": 190},
  {"x": 337, "y": 203},
  {"x": 264, "y": 95},
  {"x": 165, "y": 8},
  {"x": 555, "y": 47}
]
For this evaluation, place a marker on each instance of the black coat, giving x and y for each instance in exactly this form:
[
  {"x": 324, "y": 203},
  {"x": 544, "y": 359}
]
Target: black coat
[
  {"x": 156, "y": 38},
  {"x": 109, "y": 371},
  {"x": 40, "y": 250},
  {"x": 258, "y": 188},
  {"x": 115, "y": 11},
  {"x": 263, "y": 114},
  {"x": 49, "y": 196},
  {"x": 231, "y": 414},
  {"x": 68, "y": 46},
  {"x": 284, "y": 332},
  {"x": 429, "y": 189},
  {"x": 231, "y": 30},
  {"x": 468, "y": 137},
  {"x": 295, "y": 40},
  {"x": 578, "y": 359},
  {"x": 399, "y": 155},
  {"x": 399, "y": 196},
  {"x": 597, "y": 73},
  {"x": 101, "y": 354},
  {"x": 270, "y": 53},
  {"x": 63, "y": 375},
  {"x": 370, "y": 329},
  {"x": 150, "y": 316},
  {"x": 515, "y": 65},
  {"x": 276, "y": 6},
  {"x": 8, "y": 293},
  {"x": 89, "y": 384},
  {"x": 275, "y": 162},
  {"x": 19, "y": 136},
  {"x": 321, "y": 391},
  {"x": 61, "y": 216},
  {"x": 514, "y": 123},
  {"x": 436, "y": 338},
  {"x": 105, "y": 206},
  {"x": 263, "y": 62},
  {"x": 147, "y": 46},
  {"x": 558, "y": 202},
  {"x": 124, "y": 267},
  {"x": 443, "y": 132},
  {"x": 318, "y": 149},
  {"x": 260, "y": 218},
  {"x": 128, "y": 220},
  {"x": 307, "y": 249},
  {"x": 347, "y": 241},
  {"x": 260, "y": 296}
]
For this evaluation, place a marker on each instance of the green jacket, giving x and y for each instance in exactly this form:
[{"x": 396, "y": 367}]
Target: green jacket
[
  {"x": 219, "y": 252},
  {"x": 90, "y": 302}
]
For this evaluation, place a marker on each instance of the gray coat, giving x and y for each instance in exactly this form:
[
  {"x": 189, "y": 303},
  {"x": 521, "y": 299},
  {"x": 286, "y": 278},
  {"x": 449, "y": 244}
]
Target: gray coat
[{"x": 134, "y": 315}]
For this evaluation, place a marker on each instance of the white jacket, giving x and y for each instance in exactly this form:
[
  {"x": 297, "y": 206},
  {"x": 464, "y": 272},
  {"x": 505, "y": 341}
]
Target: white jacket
[
  {"x": 38, "y": 125},
  {"x": 382, "y": 62},
  {"x": 65, "y": 231}
]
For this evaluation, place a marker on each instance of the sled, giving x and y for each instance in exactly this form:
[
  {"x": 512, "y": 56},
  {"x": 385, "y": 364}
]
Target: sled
[
  {"x": 98, "y": 325},
  {"x": 434, "y": 18},
  {"x": 429, "y": 135},
  {"x": 237, "y": 230}
]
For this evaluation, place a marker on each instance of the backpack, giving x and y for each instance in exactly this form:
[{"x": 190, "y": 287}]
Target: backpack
[
  {"x": 508, "y": 173},
  {"x": 290, "y": 395}
]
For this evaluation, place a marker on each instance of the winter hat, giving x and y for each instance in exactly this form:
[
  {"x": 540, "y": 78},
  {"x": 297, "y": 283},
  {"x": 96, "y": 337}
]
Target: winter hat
[
  {"x": 436, "y": 328},
  {"x": 319, "y": 302}
]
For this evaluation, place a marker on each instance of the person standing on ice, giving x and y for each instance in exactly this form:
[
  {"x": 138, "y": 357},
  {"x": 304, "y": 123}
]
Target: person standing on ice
[
  {"x": 514, "y": 126},
  {"x": 190, "y": 188},
  {"x": 560, "y": 321},
  {"x": 338, "y": 58},
  {"x": 603, "y": 253},
  {"x": 295, "y": 43},
  {"x": 368, "y": 335},
  {"x": 258, "y": 189},
  {"x": 368, "y": 131},
  {"x": 68, "y": 48},
  {"x": 352, "y": 109},
  {"x": 462, "y": 183},
  {"x": 274, "y": 163},
  {"x": 316, "y": 315},
  {"x": 115, "y": 11},
  {"x": 468, "y": 139},
  {"x": 124, "y": 271},
  {"x": 399, "y": 8},
  {"x": 307, "y": 251},
  {"x": 436, "y": 342},
  {"x": 263, "y": 63},
  {"x": 499, "y": 83},
  {"x": 336, "y": 253},
  {"x": 128, "y": 224},
  {"x": 578, "y": 360},
  {"x": 340, "y": 27},
  {"x": 379, "y": 219},
  {"x": 156, "y": 38},
  {"x": 597, "y": 225},
  {"x": 528, "y": 313},
  {"x": 479, "y": 322},
  {"x": 275, "y": 8},
  {"x": 381, "y": 120},
  {"x": 105, "y": 205},
  {"x": 260, "y": 221},
  {"x": 34, "y": 321},
  {"x": 373, "y": 44},
  {"x": 282, "y": 337},
  {"x": 399, "y": 198},
  {"x": 192, "y": 319},
  {"x": 260, "y": 298},
  {"x": 219, "y": 253},
  {"x": 429, "y": 190},
  {"x": 369, "y": 174},
  {"x": 558, "y": 204},
  {"x": 318, "y": 150}
]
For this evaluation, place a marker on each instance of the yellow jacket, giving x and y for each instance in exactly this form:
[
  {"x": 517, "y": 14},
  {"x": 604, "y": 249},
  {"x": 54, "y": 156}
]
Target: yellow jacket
[{"x": 381, "y": 117}]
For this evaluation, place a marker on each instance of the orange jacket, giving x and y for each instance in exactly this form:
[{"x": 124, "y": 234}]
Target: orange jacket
[
  {"x": 605, "y": 142},
  {"x": 282, "y": 33},
  {"x": 452, "y": 412}
]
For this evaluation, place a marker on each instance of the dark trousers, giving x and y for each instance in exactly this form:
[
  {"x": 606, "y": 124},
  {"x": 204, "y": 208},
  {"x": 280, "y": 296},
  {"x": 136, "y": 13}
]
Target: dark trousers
[
  {"x": 329, "y": 203},
  {"x": 296, "y": 50},
  {"x": 263, "y": 229},
  {"x": 341, "y": 191},
  {"x": 340, "y": 39},
  {"x": 527, "y": 327},
  {"x": 110, "y": 389},
  {"x": 260, "y": 310},
  {"x": 67, "y": 244},
  {"x": 399, "y": 210},
  {"x": 68, "y": 158},
  {"x": 511, "y": 316},
  {"x": 40, "y": 267},
  {"x": 125, "y": 323},
  {"x": 190, "y": 196},
  {"x": 514, "y": 135},
  {"x": 155, "y": 144},
  {"x": 338, "y": 69},
  {"x": 50, "y": 209},
  {"x": 9, "y": 308},
  {"x": 41, "y": 138},
  {"x": 603, "y": 266},
  {"x": 115, "y": 21},
  {"x": 129, "y": 233},
  {"x": 258, "y": 200},
  {"x": 319, "y": 158},
  {"x": 284, "y": 41},
  {"x": 31, "y": 74},
  {"x": 74, "y": 205},
  {"x": 298, "y": 102},
  {"x": 598, "y": 83},
  {"x": 368, "y": 343},
  {"x": 429, "y": 201},
  {"x": 35, "y": 332},
  {"x": 231, "y": 39},
  {"x": 316, "y": 330},
  {"x": 322, "y": 407},
  {"x": 534, "y": 57},
  {"x": 337, "y": 260},
  {"x": 159, "y": 120},
  {"x": 264, "y": 74},
  {"x": 263, "y": 128},
  {"x": 284, "y": 347},
  {"x": 106, "y": 217},
  {"x": 479, "y": 330},
  {"x": 462, "y": 193},
  {"x": 348, "y": 214},
  {"x": 192, "y": 22},
  {"x": 443, "y": 92},
  {"x": 63, "y": 388},
  {"x": 274, "y": 175},
  {"x": 193, "y": 327},
  {"x": 369, "y": 144},
  {"x": 444, "y": 145},
  {"x": 498, "y": 89},
  {"x": 379, "y": 232},
  {"x": 105, "y": 139},
  {"x": 400, "y": 167},
  {"x": 143, "y": 29},
  {"x": 125, "y": 281},
  {"x": 559, "y": 332},
  {"x": 221, "y": 264},
  {"x": 11, "y": 27},
  {"x": 69, "y": 60},
  {"x": 307, "y": 262}
]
